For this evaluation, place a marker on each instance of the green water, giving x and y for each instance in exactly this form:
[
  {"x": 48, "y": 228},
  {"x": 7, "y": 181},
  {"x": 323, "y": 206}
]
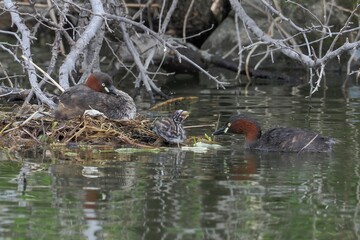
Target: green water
[{"x": 225, "y": 193}]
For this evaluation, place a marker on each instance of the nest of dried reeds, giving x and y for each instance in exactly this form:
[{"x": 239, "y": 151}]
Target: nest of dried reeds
[
  {"x": 17, "y": 133},
  {"x": 32, "y": 126}
]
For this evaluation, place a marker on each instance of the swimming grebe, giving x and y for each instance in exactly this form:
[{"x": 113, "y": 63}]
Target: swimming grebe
[
  {"x": 170, "y": 129},
  {"x": 278, "y": 139},
  {"x": 99, "y": 93}
]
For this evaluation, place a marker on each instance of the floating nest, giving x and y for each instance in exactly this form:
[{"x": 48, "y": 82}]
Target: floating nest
[
  {"x": 35, "y": 127},
  {"x": 29, "y": 131}
]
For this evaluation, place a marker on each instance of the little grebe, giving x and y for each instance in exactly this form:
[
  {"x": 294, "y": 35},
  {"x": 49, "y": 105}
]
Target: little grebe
[
  {"x": 99, "y": 93},
  {"x": 279, "y": 139},
  {"x": 170, "y": 129}
]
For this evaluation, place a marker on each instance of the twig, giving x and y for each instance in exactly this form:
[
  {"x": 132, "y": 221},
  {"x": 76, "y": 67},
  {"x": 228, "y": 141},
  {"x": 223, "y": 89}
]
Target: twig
[
  {"x": 32, "y": 136},
  {"x": 307, "y": 10},
  {"x": 169, "y": 13},
  {"x": 29, "y": 118},
  {"x": 144, "y": 78},
  {"x": 321, "y": 74},
  {"x": 45, "y": 74},
  {"x": 7, "y": 94},
  {"x": 77, "y": 133},
  {"x": 4, "y": 128},
  {"x": 239, "y": 46},
  {"x": 26, "y": 50},
  {"x": 186, "y": 19},
  {"x": 342, "y": 29},
  {"x": 199, "y": 126},
  {"x": 286, "y": 50},
  {"x": 6, "y": 75},
  {"x": 309, "y": 142},
  {"x": 90, "y": 32},
  {"x": 247, "y": 61},
  {"x": 172, "y": 100},
  {"x": 166, "y": 45}
]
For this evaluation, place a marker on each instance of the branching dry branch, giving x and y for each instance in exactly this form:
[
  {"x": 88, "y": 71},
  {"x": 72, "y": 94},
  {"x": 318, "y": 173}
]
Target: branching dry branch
[
  {"x": 25, "y": 45},
  {"x": 310, "y": 60},
  {"x": 166, "y": 43},
  {"x": 89, "y": 33}
]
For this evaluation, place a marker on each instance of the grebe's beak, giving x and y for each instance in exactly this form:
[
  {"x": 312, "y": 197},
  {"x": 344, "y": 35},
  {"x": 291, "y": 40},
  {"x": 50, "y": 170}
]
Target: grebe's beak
[
  {"x": 184, "y": 115},
  {"x": 111, "y": 90},
  {"x": 221, "y": 130}
]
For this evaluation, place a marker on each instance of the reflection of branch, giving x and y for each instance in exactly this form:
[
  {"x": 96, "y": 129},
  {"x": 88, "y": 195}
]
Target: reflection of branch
[
  {"x": 321, "y": 74},
  {"x": 26, "y": 48}
]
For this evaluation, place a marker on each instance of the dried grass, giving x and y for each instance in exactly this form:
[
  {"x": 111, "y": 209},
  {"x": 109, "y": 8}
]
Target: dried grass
[{"x": 17, "y": 133}]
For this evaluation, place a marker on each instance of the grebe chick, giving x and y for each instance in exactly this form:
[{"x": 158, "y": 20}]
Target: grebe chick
[{"x": 170, "y": 128}]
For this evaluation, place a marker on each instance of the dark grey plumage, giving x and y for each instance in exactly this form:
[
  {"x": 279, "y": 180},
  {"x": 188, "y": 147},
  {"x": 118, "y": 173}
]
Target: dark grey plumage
[
  {"x": 97, "y": 93},
  {"x": 279, "y": 139}
]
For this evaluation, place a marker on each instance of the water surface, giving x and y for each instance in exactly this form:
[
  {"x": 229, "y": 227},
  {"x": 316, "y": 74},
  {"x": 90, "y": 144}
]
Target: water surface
[{"x": 219, "y": 193}]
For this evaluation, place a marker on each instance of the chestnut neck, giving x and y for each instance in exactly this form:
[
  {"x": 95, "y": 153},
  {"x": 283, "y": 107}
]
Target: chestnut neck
[
  {"x": 249, "y": 127},
  {"x": 94, "y": 83}
]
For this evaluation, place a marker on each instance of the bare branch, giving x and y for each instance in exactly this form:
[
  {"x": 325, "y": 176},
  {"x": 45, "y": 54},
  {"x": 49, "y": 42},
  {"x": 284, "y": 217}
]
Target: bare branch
[
  {"x": 342, "y": 29},
  {"x": 91, "y": 30},
  {"x": 26, "y": 49},
  {"x": 143, "y": 76},
  {"x": 45, "y": 73},
  {"x": 166, "y": 43},
  {"x": 284, "y": 48},
  {"x": 186, "y": 19},
  {"x": 168, "y": 15}
]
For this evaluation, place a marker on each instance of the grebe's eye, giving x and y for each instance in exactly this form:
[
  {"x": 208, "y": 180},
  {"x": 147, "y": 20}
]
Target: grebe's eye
[{"x": 227, "y": 128}]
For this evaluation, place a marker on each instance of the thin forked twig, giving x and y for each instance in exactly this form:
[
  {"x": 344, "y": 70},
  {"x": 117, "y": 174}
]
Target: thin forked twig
[{"x": 45, "y": 74}]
